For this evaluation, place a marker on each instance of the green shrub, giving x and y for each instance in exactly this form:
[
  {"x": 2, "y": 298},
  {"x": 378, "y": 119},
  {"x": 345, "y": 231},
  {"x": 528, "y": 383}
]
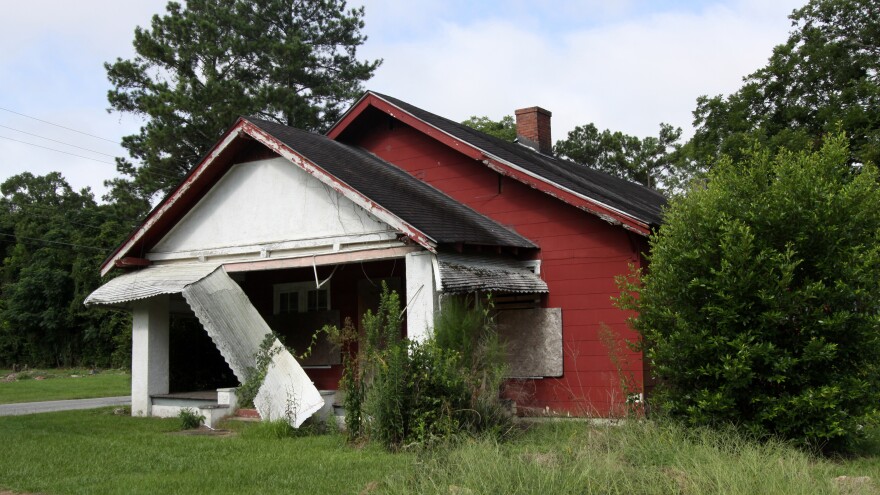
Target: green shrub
[
  {"x": 401, "y": 393},
  {"x": 762, "y": 304},
  {"x": 189, "y": 418},
  {"x": 466, "y": 326}
]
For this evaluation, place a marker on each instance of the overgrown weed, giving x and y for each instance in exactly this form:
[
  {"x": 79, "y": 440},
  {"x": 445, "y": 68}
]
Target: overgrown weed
[{"x": 633, "y": 457}]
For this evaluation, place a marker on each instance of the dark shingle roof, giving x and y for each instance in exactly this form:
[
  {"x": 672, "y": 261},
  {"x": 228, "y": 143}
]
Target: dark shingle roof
[
  {"x": 643, "y": 203},
  {"x": 427, "y": 209}
]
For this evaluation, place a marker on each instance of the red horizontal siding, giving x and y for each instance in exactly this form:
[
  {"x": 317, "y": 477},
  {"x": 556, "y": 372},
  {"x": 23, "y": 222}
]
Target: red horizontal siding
[{"x": 581, "y": 254}]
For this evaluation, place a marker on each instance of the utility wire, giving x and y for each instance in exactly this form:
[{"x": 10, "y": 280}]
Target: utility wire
[
  {"x": 46, "y": 213},
  {"x": 59, "y": 151},
  {"x": 53, "y": 242},
  {"x": 56, "y": 141},
  {"x": 59, "y": 125}
]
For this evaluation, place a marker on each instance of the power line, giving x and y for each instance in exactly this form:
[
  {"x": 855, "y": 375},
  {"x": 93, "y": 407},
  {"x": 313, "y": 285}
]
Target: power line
[
  {"x": 59, "y": 125},
  {"x": 48, "y": 211},
  {"x": 53, "y": 242},
  {"x": 57, "y": 141},
  {"x": 59, "y": 151}
]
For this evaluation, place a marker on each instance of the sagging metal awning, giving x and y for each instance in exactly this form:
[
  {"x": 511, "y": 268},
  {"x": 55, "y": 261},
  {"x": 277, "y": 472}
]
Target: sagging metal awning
[
  {"x": 470, "y": 273},
  {"x": 234, "y": 325},
  {"x": 149, "y": 282}
]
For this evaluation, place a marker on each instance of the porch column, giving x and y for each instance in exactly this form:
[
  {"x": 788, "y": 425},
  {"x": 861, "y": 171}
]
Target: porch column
[
  {"x": 421, "y": 296},
  {"x": 149, "y": 352}
]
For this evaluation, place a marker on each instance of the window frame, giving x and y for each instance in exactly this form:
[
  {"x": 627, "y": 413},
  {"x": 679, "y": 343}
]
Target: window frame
[{"x": 302, "y": 290}]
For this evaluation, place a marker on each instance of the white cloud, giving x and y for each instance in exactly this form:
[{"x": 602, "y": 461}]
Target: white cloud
[
  {"x": 626, "y": 75},
  {"x": 625, "y": 65}
]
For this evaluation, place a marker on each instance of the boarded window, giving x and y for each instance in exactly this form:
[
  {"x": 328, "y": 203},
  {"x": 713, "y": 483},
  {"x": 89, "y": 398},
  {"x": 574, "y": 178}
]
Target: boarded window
[{"x": 533, "y": 341}]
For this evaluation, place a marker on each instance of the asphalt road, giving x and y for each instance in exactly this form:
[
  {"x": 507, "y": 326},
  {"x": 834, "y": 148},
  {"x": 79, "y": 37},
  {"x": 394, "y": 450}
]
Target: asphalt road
[{"x": 61, "y": 405}]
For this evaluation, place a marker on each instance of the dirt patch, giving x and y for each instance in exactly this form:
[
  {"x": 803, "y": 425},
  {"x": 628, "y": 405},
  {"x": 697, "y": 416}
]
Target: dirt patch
[
  {"x": 853, "y": 485},
  {"x": 202, "y": 431}
]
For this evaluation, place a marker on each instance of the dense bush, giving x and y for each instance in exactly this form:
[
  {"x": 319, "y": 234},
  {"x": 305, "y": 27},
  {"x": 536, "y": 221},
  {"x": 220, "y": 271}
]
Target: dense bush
[
  {"x": 401, "y": 393},
  {"x": 761, "y": 304}
]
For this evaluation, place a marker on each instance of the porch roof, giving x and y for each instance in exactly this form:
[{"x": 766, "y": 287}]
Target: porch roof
[
  {"x": 469, "y": 273},
  {"x": 149, "y": 282}
]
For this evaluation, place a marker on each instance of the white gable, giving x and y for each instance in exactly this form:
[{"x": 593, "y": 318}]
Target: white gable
[{"x": 264, "y": 206}]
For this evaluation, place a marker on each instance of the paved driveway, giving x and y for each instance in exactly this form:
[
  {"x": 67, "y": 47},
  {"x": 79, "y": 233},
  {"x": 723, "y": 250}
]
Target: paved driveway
[{"x": 61, "y": 405}]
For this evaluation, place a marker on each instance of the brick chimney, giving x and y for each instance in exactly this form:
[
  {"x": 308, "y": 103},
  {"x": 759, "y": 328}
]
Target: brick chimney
[{"x": 533, "y": 128}]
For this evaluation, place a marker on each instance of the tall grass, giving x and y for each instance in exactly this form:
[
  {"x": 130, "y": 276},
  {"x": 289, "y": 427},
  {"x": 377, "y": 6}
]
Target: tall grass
[
  {"x": 98, "y": 452},
  {"x": 634, "y": 458}
]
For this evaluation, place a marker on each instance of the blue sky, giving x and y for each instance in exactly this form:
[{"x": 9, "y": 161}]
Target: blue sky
[{"x": 625, "y": 65}]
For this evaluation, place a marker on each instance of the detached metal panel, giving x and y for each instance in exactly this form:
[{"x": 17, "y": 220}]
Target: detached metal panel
[
  {"x": 237, "y": 329},
  {"x": 234, "y": 325}
]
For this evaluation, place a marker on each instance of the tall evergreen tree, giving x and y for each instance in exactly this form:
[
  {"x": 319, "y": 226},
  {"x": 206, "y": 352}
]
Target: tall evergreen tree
[{"x": 201, "y": 65}]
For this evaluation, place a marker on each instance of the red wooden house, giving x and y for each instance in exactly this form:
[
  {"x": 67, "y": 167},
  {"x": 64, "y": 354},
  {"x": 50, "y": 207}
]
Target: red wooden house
[{"x": 307, "y": 225}]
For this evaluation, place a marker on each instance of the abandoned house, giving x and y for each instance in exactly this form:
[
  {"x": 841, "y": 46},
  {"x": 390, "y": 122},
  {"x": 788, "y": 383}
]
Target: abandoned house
[{"x": 277, "y": 228}]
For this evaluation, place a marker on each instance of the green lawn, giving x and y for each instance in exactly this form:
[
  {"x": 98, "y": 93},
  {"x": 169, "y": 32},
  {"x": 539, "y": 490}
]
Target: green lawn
[
  {"x": 60, "y": 384},
  {"x": 98, "y": 452}
]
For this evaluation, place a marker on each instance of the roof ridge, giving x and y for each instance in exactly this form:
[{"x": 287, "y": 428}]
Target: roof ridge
[{"x": 633, "y": 199}]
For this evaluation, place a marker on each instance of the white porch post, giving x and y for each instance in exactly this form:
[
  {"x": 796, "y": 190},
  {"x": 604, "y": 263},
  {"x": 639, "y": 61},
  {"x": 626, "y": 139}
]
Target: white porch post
[
  {"x": 149, "y": 352},
  {"x": 421, "y": 296}
]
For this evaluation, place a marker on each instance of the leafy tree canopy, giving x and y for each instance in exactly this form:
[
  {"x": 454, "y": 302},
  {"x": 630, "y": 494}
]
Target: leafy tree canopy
[
  {"x": 502, "y": 129},
  {"x": 52, "y": 239},
  {"x": 827, "y": 73},
  {"x": 761, "y": 305},
  {"x": 652, "y": 161},
  {"x": 202, "y": 65}
]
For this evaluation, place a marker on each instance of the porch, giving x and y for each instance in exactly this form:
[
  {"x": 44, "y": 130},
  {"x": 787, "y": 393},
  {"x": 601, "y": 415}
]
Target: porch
[{"x": 181, "y": 360}]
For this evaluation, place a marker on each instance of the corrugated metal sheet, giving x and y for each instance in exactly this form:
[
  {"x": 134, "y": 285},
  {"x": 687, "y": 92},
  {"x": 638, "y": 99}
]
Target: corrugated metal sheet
[
  {"x": 149, "y": 282},
  {"x": 237, "y": 329},
  {"x": 467, "y": 273},
  {"x": 234, "y": 325}
]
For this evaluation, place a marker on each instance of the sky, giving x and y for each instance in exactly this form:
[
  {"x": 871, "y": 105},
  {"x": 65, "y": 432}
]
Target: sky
[{"x": 624, "y": 65}]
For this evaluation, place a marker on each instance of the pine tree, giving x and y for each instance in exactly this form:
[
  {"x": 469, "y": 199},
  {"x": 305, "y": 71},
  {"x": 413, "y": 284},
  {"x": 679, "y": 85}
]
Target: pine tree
[{"x": 200, "y": 66}]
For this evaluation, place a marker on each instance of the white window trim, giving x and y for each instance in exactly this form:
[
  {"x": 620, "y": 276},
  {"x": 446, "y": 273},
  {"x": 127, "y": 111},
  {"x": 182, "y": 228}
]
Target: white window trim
[{"x": 302, "y": 289}]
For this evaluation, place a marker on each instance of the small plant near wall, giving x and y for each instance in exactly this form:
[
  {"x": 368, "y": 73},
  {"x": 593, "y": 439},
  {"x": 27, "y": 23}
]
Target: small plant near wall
[{"x": 189, "y": 419}]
